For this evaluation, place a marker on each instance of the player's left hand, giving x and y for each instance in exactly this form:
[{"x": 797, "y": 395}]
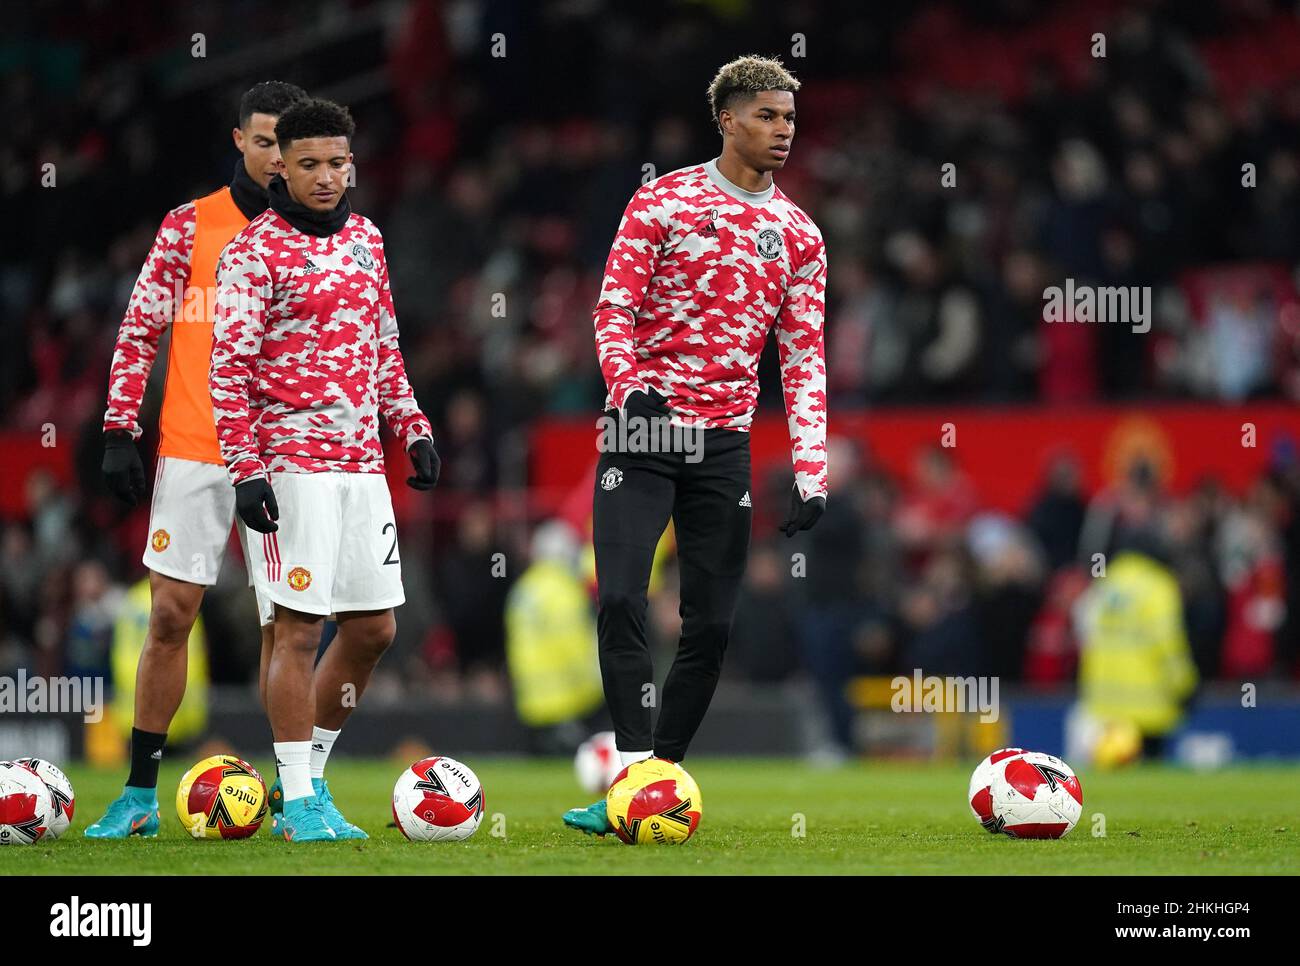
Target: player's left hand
[
  {"x": 803, "y": 513},
  {"x": 427, "y": 465},
  {"x": 256, "y": 506}
]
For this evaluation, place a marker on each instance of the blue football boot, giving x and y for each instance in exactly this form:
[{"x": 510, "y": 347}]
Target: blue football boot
[
  {"x": 303, "y": 820},
  {"x": 592, "y": 820},
  {"x": 343, "y": 829},
  {"x": 134, "y": 812}
]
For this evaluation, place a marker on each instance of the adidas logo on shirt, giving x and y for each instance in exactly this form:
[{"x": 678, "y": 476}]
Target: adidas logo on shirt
[
  {"x": 744, "y": 500},
  {"x": 157, "y": 755},
  {"x": 310, "y": 266}
]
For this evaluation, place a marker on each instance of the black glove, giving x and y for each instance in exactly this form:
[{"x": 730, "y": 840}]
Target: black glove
[
  {"x": 803, "y": 514},
  {"x": 250, "y": 498},
  {"x": 122, "y": 467},
  {"x": 647, "y": 405},
  {"x": 427, "y": 465}
]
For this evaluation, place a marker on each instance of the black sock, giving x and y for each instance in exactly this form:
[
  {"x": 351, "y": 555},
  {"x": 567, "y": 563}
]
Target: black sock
[{"x": 146, "y": 756}]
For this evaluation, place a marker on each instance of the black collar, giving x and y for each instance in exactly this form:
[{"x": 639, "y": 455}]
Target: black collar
[
  {"x": 319, "y": 223},
  {"x": 248, "y": 196}
]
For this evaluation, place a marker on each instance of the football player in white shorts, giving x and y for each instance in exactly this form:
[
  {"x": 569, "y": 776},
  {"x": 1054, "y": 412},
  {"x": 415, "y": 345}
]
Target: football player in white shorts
[
  {"x": 192, "y": 507},
  {"x": 305, "y": 360}
]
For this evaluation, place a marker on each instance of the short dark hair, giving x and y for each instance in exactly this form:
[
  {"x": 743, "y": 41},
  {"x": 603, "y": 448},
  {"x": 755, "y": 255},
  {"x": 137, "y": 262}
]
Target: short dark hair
[
  {"x": 268, "y": 97},
  {"x": 743, "y": 78},
  {"x": 314, "y": 118}
]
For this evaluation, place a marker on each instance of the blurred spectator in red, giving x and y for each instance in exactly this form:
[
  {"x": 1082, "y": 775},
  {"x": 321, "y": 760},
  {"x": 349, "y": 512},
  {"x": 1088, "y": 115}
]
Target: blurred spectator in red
[
  {"x": 937, "y": 505},
  {"x": 1252, "y": 571},
  {"x": 1052, "y": 648}
]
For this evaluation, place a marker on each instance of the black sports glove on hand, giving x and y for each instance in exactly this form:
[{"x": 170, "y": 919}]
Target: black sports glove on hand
[
  {"x": 802, "y": 514},
  {"x": 646, "y": 405},
  {"x": 122, "y": 467},
  {"x": 250, "y": 498},
  {"x": 427, "y": 465}
]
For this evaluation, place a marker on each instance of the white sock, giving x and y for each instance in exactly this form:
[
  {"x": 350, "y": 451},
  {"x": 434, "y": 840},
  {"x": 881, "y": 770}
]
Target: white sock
[
  {"x": 322, "y": 741},
  {"x": 628, "y": 757},
  {"x": 293, "y": 758}
]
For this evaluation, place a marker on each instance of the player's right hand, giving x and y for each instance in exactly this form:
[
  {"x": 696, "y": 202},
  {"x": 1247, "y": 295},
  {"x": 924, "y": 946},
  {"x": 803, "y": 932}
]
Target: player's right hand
[
  {"x": 426, "y": 463},
  {"x": 646, "y": 405},
  {"x": 122, "y": 468},
  {"x": 256, "y": 506}
]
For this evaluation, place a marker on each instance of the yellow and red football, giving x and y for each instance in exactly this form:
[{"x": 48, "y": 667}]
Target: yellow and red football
[
  {"x": 654, "y": 802},
  {"x": 222, "y": 797}
]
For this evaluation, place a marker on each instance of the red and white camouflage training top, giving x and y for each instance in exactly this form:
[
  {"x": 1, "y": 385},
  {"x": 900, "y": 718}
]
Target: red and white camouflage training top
[
  {"x": 305, "y": 354},
  {"x": 154, "y": 303},
  {"x": 700, "y": 271}
]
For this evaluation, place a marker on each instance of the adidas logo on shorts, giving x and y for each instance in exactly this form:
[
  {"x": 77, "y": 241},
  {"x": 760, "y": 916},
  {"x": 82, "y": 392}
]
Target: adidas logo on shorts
[{"x": 744, "y": 500}]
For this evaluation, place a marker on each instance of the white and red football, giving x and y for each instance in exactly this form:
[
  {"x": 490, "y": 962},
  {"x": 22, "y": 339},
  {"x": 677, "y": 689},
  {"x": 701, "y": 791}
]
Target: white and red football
[
  {"x": 597, "y": 763},
  {"x": 65, "y": 799},
  {"x": 26, "y": 806},
  {"x": 1035, "y": 796},
  {"x": 978, "y": 796},
  {"x": 438, "y": 800}
]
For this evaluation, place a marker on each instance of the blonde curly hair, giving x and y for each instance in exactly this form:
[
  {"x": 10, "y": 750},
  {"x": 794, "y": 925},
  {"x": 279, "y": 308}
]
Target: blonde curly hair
[{"x": 744, "y": 77}]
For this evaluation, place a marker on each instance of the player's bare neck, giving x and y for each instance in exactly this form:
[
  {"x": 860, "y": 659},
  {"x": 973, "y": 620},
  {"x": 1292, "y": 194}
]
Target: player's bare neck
[{"x": 741, "y": 174}]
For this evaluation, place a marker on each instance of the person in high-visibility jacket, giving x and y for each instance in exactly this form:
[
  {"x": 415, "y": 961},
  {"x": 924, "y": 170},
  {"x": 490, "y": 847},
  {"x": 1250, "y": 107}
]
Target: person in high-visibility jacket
[
  {"x": 129, "y": 633},
  {"x": 551, "y": 635},
  {"x": 1135, "y": 666}
]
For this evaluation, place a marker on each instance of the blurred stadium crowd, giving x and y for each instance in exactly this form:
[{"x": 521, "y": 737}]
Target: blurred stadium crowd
[{"x": 505, "y": 177}]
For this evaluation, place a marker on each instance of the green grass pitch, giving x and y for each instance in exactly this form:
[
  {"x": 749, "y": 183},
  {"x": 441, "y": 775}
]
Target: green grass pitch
[{"x": 891, "y": 818}]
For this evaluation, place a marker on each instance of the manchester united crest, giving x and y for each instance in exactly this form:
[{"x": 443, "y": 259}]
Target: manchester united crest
[
  {"x": 362, "y": 256},
  {"x": 299, "y": 578},
  {"x": 769, "y": 244},
  {"x": 160, "y": 540},
  {"x": 611, "y": 478}
]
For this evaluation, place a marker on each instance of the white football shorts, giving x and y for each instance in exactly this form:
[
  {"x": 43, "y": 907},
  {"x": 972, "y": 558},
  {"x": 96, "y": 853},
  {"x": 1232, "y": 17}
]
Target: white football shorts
[
  {"x": 336, "y": 547},
  {"x": 190, "y": 518}
]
